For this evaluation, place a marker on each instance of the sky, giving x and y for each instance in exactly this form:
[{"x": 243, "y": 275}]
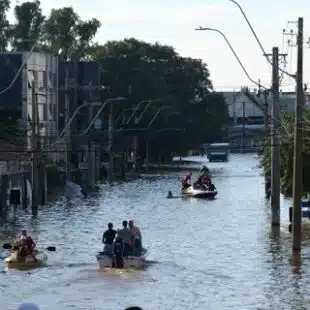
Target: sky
[{"x": 172, "y": 22}]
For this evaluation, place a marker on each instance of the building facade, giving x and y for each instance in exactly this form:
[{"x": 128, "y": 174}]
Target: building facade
[{"x": 17, "y": 99}]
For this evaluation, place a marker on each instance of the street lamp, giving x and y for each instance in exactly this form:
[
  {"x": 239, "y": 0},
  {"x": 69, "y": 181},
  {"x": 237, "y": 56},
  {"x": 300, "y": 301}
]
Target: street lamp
[
  {"x": 100, "y": 110},
  {"x": 257, "y": 39},
  {"x": 233, "y": 51},
  {"x": 86, "y": 104},
  {"x": 146, "y": 107}
]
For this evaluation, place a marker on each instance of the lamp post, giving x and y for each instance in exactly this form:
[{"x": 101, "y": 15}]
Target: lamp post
[
  {"x": 293, "y": 76},
  {"x": 233, "y": 51}
]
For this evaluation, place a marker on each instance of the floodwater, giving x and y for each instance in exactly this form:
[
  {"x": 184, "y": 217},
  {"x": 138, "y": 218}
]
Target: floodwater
[{"x": 218, "y": 254}]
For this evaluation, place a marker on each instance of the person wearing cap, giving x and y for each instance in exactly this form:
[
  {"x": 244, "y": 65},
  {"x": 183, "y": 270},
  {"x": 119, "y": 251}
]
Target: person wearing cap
[
  {"x": 137, "y": 238},
  {"x": 108, "y": 239}
]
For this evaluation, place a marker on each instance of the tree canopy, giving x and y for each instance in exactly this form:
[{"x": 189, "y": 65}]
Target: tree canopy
[
  {"x": 287, "y": 153},
  {"x": 144, "y": 71},
  {"x": 131, "y": 68}
]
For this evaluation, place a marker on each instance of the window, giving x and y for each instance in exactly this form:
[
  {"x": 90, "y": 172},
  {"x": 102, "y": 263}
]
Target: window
[
  {"x": 41, "y": 99},
  {"x": 40, "y": 79},
  {"x": 44, "y": 79},
  {"x": 30, "y": 78},
  {"x": 50, "y": 80}
]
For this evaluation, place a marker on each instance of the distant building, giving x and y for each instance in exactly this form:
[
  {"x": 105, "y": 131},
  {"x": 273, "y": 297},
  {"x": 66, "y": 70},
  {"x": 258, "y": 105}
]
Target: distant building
[
  {"x": 17, "y": 100},
  {"x": 83, "y": 85},
  {"x": 247, "y": 110}
]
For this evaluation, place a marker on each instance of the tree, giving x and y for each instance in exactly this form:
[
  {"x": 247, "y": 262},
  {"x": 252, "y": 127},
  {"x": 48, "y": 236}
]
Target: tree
[
  {"x": 4, "y": 25},
  {"x": 142, "y": 71},
  {"x": 287, "y": 154},
  {"x": 28, "y": 27},
  {"x": 64, "y": 31}
]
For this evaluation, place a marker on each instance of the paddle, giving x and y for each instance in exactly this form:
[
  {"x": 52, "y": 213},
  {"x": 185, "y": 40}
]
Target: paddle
[{"x": 8, "y": 246}]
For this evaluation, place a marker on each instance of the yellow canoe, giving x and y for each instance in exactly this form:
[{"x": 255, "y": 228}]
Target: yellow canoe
[{"x": 37, "y": 259}]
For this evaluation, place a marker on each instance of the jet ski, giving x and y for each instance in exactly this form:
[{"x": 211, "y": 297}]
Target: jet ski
[{"x": 198, "y": 192}]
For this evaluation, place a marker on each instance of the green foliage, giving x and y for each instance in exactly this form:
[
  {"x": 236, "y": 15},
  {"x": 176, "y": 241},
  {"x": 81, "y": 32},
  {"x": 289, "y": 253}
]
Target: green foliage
[
  {"x": 287, "y": 154},
  {"x": 4, "y": 25},
  {"x": 66, "y": 34},
  {"x": 145, "y": 71},
  {"x": 28, "y": 27},
  {"x": 62, "y": 33}
]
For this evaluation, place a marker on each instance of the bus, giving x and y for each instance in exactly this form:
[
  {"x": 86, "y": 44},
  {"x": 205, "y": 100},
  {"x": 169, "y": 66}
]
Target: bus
[{"x": 217, "y": 151}]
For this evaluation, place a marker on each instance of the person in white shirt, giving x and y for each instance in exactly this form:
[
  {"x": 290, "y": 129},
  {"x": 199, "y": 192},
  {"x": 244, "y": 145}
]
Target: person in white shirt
[{"x": 137, "y": 242}]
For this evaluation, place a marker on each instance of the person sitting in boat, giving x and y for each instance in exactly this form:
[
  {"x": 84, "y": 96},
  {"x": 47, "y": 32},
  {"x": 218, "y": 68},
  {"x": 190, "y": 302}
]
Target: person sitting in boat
[
  {"x": 210, "y": 186},
  {"x": 26, "y": 244},
  {"x": 186, "y": 181},
  {"x": 29, "y": 245},
  {"x": 127, "y": 236},
  {"x": 202, "y": 180},
  {"x": 108, "y": 239},
  {"x": 204, "y": 170},
  {"x": 137, "y": 238}
]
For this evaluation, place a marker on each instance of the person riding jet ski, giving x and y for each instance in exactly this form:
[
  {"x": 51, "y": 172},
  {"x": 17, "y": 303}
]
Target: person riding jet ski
[
  {"x": 204, "y": 170},
  {"x": 186, "y": 181},
  {"x": 203, "y": 179}
]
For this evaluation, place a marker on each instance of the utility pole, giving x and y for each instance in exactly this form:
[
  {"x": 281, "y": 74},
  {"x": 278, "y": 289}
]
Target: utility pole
[
  {"x": 275, "y": 140},
  {"x": 267, "y": 132},
  {"x": 298, "y": 147},
  {"x": 68, "y": 132},
  {"x": 147, "y": 153},
  {"x": 91, "y": 153},
  {"x": 243, "y": 126},
  {"x": 136, "y": 150},
  {"x": 35, "y": 174},
  {"x": 111, "y": 144},
  {"x": 266, "y": 112}
]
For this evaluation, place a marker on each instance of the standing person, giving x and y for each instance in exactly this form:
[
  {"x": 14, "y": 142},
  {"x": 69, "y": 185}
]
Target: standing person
[
  {"x": 137, "y": 238},
  {"x": 108, "y": 239},
  {"x": 127, "y": 236}
]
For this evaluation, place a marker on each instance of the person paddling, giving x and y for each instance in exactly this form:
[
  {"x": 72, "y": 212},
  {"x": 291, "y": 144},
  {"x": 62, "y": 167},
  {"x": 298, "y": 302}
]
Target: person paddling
[{"x": 26, "y": 245}]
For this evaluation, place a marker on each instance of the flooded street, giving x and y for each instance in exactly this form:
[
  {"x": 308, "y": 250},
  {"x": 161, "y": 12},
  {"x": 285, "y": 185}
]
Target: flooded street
[{"x": 217, "y": 254}]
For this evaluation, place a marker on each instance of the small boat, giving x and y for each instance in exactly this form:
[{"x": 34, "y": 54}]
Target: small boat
[
  {"x": 37, "y": 259},
  {"x": 136, "y": 262},
  {"x": 198, "y": 193}
]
